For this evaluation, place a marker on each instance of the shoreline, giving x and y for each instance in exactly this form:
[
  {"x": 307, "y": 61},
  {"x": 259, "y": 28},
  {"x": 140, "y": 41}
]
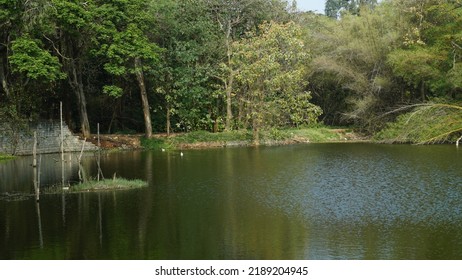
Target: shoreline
[
  {"x": 238, "y": 138},
  {"x": 207, "y": 140},
  {"x": 233, "y": 144}
]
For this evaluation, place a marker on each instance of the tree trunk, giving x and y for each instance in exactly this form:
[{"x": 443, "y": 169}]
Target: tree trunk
[
  {"x": 84, "y": 122},
  {"x": 240, "y": 116},
  {"x": 230, "y": 81},
  {"x": 3, "y": 79},
  {"x": 74, "y": 74},
  {"x": 256, "y": 124},
  {"x": 215, "y": 116},
  {"x": 256, "y": 132},
  {"x": 422, "y": 91},
  {"x": 76, "y": 84},
  {"x": 168, "y": 120},
  {"x": 144, "y": 98},
  {"x": 229, "y": 91}
]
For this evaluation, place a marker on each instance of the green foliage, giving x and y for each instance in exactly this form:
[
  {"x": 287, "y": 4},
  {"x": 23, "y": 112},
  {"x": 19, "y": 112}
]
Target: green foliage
[
  {"x": 113, "y": 91},
  {"x": 127, "y": 46},
  {"x": 399, "y": 52},
  {"x": 123, "y": 42},
  {"x": 415, "y": 65},
  {"x": 7, "y": 10},
  {"x": 272, "y": 69},
  {"x": 455, "y": 76},
  {"x": 430, "y": 49},
  {"x": 332, "y": 8},
  {"x": 184, "y": 78},
  {"x": 215, "y": 64},
  {"x": 122, "y": 29},
  {"x": 349, "y": 71},
  {"x": 36, "y": 63},
  {"x": 274, "y": 134},
  {"x": 71, "y": 15}
]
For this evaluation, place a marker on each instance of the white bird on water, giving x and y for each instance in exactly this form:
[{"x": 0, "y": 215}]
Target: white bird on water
[
  {"x": 181, "y": 154},
  {"x": 163, "y": 150}
]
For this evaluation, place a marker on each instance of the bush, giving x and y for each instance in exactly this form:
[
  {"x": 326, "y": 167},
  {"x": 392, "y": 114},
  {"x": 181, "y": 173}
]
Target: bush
[{"x": 425, "y": 124}]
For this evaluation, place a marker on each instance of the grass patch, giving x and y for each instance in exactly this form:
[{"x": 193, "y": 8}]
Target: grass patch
[
  {"x": 109, "y": 184},
  {"x": 205, "y": 136},
  {"x": 316, "y": 135},
  {"x": 157, "y": 143}
]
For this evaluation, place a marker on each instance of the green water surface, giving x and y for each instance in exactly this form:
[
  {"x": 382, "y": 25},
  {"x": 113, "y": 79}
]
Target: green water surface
[{"x": 318, "y": 201}]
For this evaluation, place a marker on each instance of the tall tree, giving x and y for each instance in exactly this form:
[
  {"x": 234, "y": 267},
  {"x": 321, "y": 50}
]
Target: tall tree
[
  {"x": 186, "y": 78},
  {"x": 334, "y": 7},
  {"x": 349, "y": 70},
  {"x": 431, "y": 50},
  {"x": 123, "y": 40},
  {"x": 8, "y": 15},
  {"x": 272, "y": 71},
  {"x": 28, "y": 69},
  {"x": 72, "y": 41},
  {"x": 235, "y": 18}
]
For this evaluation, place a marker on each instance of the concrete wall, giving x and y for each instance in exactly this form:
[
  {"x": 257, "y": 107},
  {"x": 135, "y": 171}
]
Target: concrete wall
[{"x": 48, "y": 138}]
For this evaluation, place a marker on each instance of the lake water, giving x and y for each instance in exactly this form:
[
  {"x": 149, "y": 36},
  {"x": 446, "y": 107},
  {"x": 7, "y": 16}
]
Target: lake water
[{"x": 317, "y": 201}]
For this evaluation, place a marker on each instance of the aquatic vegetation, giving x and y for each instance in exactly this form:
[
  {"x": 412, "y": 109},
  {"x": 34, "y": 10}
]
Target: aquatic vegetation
[
  {"x": 108, "y": 184},
  {"x": 5, "y": 157}
]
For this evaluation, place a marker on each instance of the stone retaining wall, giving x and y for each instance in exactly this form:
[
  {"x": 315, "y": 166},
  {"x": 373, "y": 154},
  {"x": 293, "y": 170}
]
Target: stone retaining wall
[{"x": 48, "y": 139}]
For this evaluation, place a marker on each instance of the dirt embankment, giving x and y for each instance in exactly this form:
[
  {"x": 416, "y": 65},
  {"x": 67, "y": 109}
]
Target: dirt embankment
[{"x": 118, "y": 141}]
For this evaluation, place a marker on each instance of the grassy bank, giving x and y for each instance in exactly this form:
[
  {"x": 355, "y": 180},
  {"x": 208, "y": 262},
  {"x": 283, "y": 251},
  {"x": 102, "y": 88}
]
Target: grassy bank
[{"x": 204, "y": 139}]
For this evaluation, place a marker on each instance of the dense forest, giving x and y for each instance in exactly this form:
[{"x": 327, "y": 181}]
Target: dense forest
[{"x": 156, "y": 66}]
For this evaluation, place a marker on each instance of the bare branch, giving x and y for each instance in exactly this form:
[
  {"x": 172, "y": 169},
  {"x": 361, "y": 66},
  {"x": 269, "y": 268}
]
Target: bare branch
[{"x": 55, "y": 48}]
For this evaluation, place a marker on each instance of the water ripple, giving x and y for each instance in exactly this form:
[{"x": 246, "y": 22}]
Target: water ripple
[{"x": 359, "y": 189}]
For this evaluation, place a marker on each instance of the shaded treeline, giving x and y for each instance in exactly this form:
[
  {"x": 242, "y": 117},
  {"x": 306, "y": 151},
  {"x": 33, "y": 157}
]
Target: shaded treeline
[{"x": 186, "y": 65}]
